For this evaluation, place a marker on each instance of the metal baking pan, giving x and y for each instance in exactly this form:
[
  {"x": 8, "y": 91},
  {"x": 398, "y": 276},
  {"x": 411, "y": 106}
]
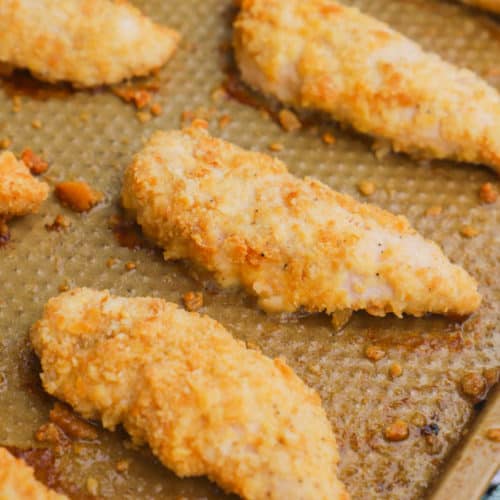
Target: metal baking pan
[{"x": 91, "y": 136}]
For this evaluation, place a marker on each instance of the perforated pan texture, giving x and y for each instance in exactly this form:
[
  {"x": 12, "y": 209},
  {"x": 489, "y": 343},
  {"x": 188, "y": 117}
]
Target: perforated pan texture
[{"x": 92, "y": 136}]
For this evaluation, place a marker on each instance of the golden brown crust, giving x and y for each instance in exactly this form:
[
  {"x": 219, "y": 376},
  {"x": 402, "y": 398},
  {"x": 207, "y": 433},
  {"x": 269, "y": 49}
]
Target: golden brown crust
[
  {"x": 179, "y": 381},
  {"x": 320, "y": 54},
  {"x": 291, "y": 242},
  {"x": 86, "y": 42},
  {"x": 20, "y": 192},
  {"x": 17, "y": 481}
]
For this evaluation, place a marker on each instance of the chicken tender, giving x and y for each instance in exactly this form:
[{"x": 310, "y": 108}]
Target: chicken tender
[
  {"x": 17, "y": 481},
  {"x": 179, "y": 381},
  {"x": 20, "y": 192},
  {"x": 291, "y": 242},
  {"x": 322, "y": 55},
  {"x": 491, "y": 5},
  {"x": 86, "y": 42}
]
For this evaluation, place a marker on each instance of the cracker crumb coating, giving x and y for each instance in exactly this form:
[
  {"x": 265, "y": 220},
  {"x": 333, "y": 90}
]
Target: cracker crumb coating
[
  {"x": 323, "y": 55},
  {"x": 85, "y": 42},
  {"x": 291, "y": 242},
  {"x": 17, "y": 481},
  {"x": 20, "y": 192},
  {"x": 180, "y": 382}
]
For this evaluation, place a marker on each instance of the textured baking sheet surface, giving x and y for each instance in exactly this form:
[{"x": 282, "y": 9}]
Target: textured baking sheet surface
[{"x": 92, "y": 136}]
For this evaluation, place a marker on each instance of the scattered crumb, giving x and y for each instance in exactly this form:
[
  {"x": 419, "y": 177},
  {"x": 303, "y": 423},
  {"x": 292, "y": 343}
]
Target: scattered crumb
[
  {"x": 340, "y": 318},
  {"x": 35, "y": 163},
  {"x": 289, "y": 121},
  {"x": 374, "y": 352},
  {"x": 276, "y": 146},
  {"x": 111, "y": 262},
  {"x": 5, "y": 143},
  {"x": 143, "y": 116},
  {"x": 63, "y": 287},
  {"x": 92, "y": 486},
  {"x": 253, "y": 345},
  {"x": 328, "y": 138},
  {"x": 193, "y": 300},
  {"x": 122, "y": 465},
  {"x": 397, "y": 431},
  {"x": 84, "y": 117},
  {"x": 16, "y": 103},
  {"x": 395, "y": 370},
  {"x": 129, "y": 266},
  {"x": 493, "y": 434},
  {"x": 473, "y": 384},
  {"x": 418, "y": 419},
  {"x": 314, "y": 368},
  {"x": 381, "y": 148},
  {"x": 139, "y": 97},
  {"x": 367, "y": 188},
  {"x": 434, "y": 211},
  {"x": 77, "y": 196},
  {"x": 51, "y": 433},
  {"x": 469, "y": 231},
  {"x": 72, "y": 425},
  {"x": 219, "y": 94},
  {"x": 488, "y": 193},
  {"x": 60, "y": 222},
  {"x": 36, "y": 124},
  {"x": 156, "y": 109},
  {"x": 224, "y": 121}
]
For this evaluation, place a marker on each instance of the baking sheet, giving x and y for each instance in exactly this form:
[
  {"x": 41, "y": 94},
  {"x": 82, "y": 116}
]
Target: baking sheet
[{"x": 91, "y": 136}]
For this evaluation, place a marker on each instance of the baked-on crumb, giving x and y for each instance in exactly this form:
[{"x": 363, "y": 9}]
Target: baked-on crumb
[
  {"x": 469, "y": 231},
  {"x": 143, "y": 116},
  {"x": 224, "y": 121},
  {"x": 77, "y": 195},
  {"x": 367, "y": 188},
  {"x": 5, "y": 143},
  {"x": 193, "y": 300},
  {"x": 291, "y": 242},
  {"x": 374, "y": 353},
  {"x": 395, "y": 370},
  {"x": 397, "y": 431},
  {"x": 60, "y": 223},
  {"x": 493, "y": 434},
  {"x": 156, "y": 109},
  {"x": 276, "y": 146},
  {"x": 122, "y": 465},
  {"x": 71, "y": 424},
  {"x": 474, "y": 384},
  {"x": 35, "y": 163},
  {"x": 139, "y": 97},
  {"x": 289, "y": 121},
  {"x": 328, "y": 138},
  {"x": 20, "y": 192},
  {"x": 179, "y": 381},
  {"x": 323, "y": 55},
  {"x": 36, "y": 124},
  {"x": 130, "y": 266},
  {"x": 17, "y": 481},
  {"x": 488, "y": 193},
  {"x": 87, "y": 43},
  {"x": 434, "y": 211},
  {"x": 92, "y": 486}
]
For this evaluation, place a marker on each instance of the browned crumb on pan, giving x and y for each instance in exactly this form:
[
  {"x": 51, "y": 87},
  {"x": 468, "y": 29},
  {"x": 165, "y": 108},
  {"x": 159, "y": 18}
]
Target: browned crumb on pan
[
  {"x": 77, "y": 195},
  {"x": 5, "y": 143},
  {"x": 122, "y": 465},
  {"x": 60, "y": 223},
  {"x": 130, "y": 266},
  {"x": 488, "y": 193},
  {"x": 156, "y": 109},
  {"x": 397, "y": 431},
  {"x": 493, "y": 434},
  {"x": 434, "y": 211},
  {"x": 137, "y": 96},
  {"x": 374, "y": 353},
  {"x": 193, "y": 300},
  {"x": 474, "y": 385},
  {"x": 276, "y": 147},
  {"x": 92, "y": 485},
  {"x": 52, "y": 434},
  {"x": 35, "y": 163},
  {"x": 395, "y": 370},
  {"x": 469, "y": 231},
  {"x": 328, "y": 138},
  {"x": 36, "y": 124},
  {"x": 73, "y": 426},
  {"x": 224, "y": 121},
  {"x": 366, "y": 188},
  {"x": 289, "y": 120}
]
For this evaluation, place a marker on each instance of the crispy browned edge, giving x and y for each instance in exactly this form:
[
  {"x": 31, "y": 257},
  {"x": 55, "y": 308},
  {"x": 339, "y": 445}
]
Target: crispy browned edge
[{"x": 471, "y": 466}]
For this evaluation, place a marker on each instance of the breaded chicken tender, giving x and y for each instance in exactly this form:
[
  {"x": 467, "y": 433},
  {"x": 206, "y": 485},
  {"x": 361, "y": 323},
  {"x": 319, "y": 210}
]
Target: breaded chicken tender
[
  {"x": 85, "y": 42},
  {"x": 291, "y": 242},
  {"x": 323, "y": 55},
  {"x": 20, "y": 192},
  {"x": 17, "y": 481},
  {"x": 491, "y": 5},
  {"x": 180, "y": 382}
]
